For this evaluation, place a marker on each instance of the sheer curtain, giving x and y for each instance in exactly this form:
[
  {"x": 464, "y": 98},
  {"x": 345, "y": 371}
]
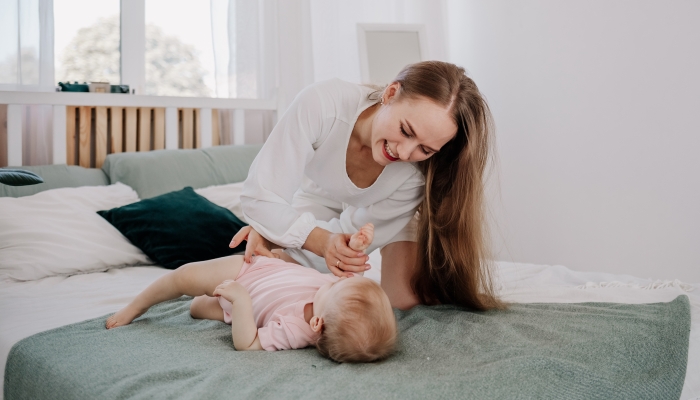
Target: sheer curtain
[
  {"x": 265, "y": 48},
  {"x": 26, "y": 64},
  {"x": 262, "y": 49}
]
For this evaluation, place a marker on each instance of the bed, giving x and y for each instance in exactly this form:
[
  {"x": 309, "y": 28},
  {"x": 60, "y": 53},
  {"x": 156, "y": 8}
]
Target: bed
[{"x": 47, "y": 305}]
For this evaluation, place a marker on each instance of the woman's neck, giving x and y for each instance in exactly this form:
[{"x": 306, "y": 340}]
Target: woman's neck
[{"x": 362, "y": 131}]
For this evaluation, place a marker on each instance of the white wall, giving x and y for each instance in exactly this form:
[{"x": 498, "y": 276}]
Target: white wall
[
  {"x": 334, "y": 31},
  {"x": 597, "y": 107}
]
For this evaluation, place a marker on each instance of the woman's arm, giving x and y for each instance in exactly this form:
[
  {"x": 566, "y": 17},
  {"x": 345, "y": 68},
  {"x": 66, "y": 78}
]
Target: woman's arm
[
  {"x": 278, "y": 170},
  {"x": 398, "y": 267},
  {"x": 244, "y": 331},
  {"x": 333, "y": 247},
  {"x": 389, "y": 216}
]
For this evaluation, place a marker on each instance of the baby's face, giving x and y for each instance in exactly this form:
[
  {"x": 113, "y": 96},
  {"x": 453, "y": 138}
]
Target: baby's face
[{"x": 331, "y": 294}]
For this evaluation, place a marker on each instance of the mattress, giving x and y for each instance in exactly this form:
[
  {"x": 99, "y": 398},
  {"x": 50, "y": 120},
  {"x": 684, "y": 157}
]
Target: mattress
[{"x": 27, "y": 308}]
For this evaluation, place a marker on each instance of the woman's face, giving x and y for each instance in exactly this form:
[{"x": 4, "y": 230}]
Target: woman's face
[{"x": 406, "y": 129}]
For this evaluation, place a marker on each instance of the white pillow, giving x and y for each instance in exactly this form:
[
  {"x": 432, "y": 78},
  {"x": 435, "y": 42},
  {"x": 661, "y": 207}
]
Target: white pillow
[
  {"x": 58, "y": 232},
  {"x": 226, "y": 196}
]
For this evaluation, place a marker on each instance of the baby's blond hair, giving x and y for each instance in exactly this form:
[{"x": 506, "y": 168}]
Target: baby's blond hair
[{"x": 360, "y": 326}]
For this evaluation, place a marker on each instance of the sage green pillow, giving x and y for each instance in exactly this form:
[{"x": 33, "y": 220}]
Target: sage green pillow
[
  {"x": 177, "y": 228},
  {"x": 154, "y": 173},
  {"x": 56, "y": 176}
]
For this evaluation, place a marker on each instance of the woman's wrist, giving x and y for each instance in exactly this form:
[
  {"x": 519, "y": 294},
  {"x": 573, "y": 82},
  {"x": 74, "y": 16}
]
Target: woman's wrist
[{"x": 316, "y": 241}]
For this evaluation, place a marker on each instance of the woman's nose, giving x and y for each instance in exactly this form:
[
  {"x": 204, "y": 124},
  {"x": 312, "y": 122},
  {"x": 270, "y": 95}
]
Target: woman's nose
[{"x": 405, "y": 149}]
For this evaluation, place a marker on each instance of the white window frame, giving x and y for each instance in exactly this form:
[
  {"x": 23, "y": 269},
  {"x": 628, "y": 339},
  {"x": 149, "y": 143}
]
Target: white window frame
[{"x": 133, "y": 44}]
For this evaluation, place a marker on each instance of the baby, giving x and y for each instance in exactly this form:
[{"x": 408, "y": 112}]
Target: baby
[{"x": 276, "y": 305}]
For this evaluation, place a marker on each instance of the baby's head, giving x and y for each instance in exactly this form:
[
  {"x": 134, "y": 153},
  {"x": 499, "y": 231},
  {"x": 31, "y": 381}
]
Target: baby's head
[{"x": 355, "y": 319}]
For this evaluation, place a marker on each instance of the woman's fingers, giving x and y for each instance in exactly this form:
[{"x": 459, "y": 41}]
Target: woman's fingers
[
  {"x": 356, "y": 261},
  {"x": 249, "y": 249},
  {"x": 240, "y": 236},
  {"x": 339, "y": 272},
  {"x": 261, "y": 250},
  {"x": 353, "y": 268},
  {"x": 256, "y": 245},
  {"x": 343, "y": 248}
]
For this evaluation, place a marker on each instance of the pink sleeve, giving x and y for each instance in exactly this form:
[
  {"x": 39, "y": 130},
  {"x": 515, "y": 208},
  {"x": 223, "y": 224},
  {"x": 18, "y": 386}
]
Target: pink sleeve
[{"x": 285, "y": 333}]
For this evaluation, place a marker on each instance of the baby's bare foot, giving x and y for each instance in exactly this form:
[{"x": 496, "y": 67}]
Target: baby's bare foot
[
  {"x": 361, "y": 239},
  {"x": 123, "y": 317}
]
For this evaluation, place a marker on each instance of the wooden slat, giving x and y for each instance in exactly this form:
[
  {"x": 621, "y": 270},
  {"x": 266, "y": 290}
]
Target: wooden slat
[
  {"x": 187, "y": 128},
  {"x": 116, "y": 130},
  {"x": 100, "y": 136},
  {"x": 85, "y": 123},
  {"x": 70, "y": 135},
  {"x": 3, "y": 135},
  {"x": 144, "y": 129},
  {"x": 130, "y": 129},
  {"x": 215, "y": 135},
  {"x": 197, "y": 128},
  {"x": 158, "y": 128}
]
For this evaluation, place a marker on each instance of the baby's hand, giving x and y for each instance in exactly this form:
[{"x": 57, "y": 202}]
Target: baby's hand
[
  {"x": 230, "y": 290},
  {"x": 361, "y": 239}
]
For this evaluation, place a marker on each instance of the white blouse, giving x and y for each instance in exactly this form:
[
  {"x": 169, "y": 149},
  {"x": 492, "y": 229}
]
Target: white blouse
[{"x": 299, "y": 180}]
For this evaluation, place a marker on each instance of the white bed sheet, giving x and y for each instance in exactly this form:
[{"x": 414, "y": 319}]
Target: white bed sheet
[{"x": 27, "y": 308}]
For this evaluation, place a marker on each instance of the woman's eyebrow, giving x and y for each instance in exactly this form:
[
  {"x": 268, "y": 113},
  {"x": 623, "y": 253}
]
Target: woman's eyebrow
[{"x": 413, "y": 132}]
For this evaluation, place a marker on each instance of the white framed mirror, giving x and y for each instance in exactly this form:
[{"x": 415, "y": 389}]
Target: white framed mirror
[{"x": 386, "y": 48}]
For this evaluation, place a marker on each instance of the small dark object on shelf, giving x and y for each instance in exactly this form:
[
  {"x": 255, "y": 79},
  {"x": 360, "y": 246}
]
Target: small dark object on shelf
[
  {"x": 19, "y": 177},
  {"x": 119, "y": 89},
  {"x": 74, "y": 87},
  {"x": 84, "y": 87}
]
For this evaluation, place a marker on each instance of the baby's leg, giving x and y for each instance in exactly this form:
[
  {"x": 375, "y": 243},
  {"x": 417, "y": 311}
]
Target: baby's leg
[
  {"x": 361, "y": 239},
  {"x": 205, "y": 307},
  {"x": 194, "y": 279}
]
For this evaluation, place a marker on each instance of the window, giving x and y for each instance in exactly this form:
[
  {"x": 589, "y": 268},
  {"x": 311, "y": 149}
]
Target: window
[
  {"x": 179, "y": 51},
  {"x": 19, "y": 47},
  {"x": 86, "y": 41}
]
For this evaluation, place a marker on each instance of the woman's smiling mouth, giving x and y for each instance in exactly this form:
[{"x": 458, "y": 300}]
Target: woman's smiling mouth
[{"x": 388, "y": 153}]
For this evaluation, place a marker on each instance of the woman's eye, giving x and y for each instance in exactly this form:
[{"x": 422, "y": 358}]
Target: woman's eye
[
  {"x": 426, "y": 152},
  {"x": 403, "y": 132}
]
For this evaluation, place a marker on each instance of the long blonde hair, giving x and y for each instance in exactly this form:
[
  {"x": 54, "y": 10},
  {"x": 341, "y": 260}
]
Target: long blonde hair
[{"x": 453, "y": 263}]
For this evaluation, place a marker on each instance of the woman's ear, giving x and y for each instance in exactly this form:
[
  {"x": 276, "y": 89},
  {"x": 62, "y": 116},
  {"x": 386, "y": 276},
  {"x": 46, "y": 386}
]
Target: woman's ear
[
  {"x": 391, "y": 91},
  {"x": 316, "y": 323}
]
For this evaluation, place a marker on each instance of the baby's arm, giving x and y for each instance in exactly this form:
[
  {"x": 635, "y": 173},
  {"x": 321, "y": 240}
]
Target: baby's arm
[{"x": 244, "y": 331}]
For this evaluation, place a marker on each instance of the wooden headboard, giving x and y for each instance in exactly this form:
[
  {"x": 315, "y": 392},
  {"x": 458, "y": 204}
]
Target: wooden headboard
[{"x": 88, "y": 126}]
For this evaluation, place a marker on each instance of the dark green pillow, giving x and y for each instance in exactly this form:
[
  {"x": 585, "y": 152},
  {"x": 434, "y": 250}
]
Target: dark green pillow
[{"x": 177, "y": 227}]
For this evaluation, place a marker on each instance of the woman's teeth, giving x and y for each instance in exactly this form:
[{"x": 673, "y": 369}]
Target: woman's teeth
[{"x": 388, "y": 150}]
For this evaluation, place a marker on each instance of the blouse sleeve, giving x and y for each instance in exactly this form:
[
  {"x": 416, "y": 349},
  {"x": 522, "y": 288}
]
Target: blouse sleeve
[
  {"x": 389, "y": 216},
  {"x": 277, "y": 173},
  {"x": 285, "y": 334}
]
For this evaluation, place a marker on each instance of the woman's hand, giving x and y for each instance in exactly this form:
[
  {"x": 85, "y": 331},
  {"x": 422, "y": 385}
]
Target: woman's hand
[
  {"x": 257, "y": 244},
  {"x": 333, "y": 247}
]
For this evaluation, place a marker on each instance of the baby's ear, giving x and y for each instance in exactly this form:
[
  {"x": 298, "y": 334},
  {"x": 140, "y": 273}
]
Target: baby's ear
[{"x": 316, "y": 323}]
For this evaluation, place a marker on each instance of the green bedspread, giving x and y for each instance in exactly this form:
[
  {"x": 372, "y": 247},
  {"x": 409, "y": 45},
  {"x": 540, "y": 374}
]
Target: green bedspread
[{"x": 532, "y": 351}]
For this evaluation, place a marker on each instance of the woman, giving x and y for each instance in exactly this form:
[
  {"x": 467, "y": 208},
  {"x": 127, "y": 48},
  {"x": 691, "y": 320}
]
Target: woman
[{"x": 344, "y": 155}]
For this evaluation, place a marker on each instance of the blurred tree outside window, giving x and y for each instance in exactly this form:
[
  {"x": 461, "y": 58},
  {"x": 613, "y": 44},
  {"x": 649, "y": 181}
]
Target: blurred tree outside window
[
  {"x": 91, "y": 52},
  {"x": 86, "y": 41}
]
